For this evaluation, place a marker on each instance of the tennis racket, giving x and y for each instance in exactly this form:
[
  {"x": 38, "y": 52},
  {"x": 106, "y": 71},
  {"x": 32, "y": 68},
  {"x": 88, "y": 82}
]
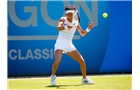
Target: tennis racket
[{"x": 75, "y": 19}]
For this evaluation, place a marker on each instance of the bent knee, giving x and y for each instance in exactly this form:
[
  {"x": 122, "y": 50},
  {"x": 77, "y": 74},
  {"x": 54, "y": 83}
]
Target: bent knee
[
  {"x": 81, "y": 61},
  {"x": 57, "y": 60}
]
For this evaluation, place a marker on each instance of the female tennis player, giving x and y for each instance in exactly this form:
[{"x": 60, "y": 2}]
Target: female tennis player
[{"x": 67, "y": 26}]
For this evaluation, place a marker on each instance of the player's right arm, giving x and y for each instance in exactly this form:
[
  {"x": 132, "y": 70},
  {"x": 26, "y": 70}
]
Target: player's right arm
[{"x": 60, "y": 25}]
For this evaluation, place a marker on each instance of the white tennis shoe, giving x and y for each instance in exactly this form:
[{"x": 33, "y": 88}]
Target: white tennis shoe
[
  {"x": 53, "y": 80},
  {"x": 87, "y": 81}
]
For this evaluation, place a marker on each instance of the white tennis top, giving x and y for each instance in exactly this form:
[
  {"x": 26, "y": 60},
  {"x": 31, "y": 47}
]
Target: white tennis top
[{"x": 66, "y": 36}]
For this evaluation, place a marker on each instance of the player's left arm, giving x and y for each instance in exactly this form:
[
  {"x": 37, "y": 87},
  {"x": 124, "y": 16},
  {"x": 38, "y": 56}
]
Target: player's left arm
[{"x": 84, "y": 32}]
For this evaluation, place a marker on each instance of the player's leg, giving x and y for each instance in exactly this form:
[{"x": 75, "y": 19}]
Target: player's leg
[
  {"x": 78, "y": 57},
  {"x": 58, "y": 55}
]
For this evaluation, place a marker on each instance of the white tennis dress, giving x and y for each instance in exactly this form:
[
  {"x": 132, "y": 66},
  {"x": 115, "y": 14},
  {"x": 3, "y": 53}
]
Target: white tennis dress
[{"x": 64, "y": 39}]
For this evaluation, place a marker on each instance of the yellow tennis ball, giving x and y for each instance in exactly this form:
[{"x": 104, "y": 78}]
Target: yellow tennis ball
[{"x": 105, "y": 15}]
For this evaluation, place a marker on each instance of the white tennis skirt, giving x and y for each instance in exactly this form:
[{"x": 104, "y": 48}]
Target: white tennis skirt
[{"x": 64, "y": 46}]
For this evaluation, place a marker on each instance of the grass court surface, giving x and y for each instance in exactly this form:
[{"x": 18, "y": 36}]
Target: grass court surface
[{"x": 102, "y": 82}]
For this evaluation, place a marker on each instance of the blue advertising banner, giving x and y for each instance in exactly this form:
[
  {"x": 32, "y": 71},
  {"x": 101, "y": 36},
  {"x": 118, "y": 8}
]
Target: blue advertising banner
[{"x": 32, "y": 33}]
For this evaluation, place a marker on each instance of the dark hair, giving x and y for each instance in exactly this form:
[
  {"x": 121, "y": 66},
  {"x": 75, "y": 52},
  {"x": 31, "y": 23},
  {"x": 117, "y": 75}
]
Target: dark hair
[
  {"x": 71, "y": 7},
  {"x": 78, "y": 16}
]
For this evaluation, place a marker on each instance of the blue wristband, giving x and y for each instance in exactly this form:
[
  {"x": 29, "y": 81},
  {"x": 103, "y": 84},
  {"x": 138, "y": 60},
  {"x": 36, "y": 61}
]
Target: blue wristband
[{"x": 65, "y": 26}]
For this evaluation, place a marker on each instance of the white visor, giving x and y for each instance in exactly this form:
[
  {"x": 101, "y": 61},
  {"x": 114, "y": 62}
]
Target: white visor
[{"x": 68, "y": 11}]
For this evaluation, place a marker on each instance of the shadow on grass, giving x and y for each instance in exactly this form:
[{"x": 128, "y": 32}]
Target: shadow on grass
[{"x": 59, "y": 86}]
